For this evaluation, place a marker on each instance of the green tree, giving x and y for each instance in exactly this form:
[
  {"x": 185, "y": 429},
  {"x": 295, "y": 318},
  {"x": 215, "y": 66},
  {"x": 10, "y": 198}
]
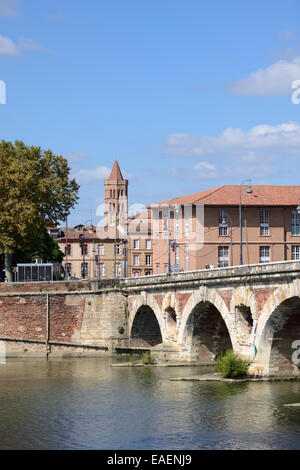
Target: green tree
[
  {"x": 41, "y": 246},
  {"x": 35, "y": 191}
]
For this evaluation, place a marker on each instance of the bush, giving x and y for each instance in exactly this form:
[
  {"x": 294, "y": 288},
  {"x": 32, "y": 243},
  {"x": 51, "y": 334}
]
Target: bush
[
  {"x": 121, "y": 330},
  {"x": 231, "y": 366},
  {"x": 147, "y": 358}
]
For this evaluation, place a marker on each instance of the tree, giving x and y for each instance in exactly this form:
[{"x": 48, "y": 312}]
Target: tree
[
  {"x": 35, "y": 192},
  {"x": 41, "y": 246}
]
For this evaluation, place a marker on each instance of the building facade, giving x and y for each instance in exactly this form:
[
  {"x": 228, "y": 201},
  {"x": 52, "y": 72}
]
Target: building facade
[
  {"x": 100, "y": 252},
  {"x": 204, "y": 229}
]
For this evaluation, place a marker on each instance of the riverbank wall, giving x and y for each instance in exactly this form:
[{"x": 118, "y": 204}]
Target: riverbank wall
[{"x": 62, "y": 319}]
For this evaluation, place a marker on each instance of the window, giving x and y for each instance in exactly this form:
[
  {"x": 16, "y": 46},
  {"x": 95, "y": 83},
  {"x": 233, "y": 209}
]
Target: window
[
  {"x": 68, "y": 250},
  {"x": 295, "y": 252},
  {"x": 101, "y": 270},
  {"x": 148, "y": 244},
  {"x": 295, "y": 223},
  {"x": 84, "y": 250},
  {"x": 100, "y": 250},
  {"x": 264, "y": 254},
  {"x": 84, "y": 270},
  {"x": 136, "y": 244},
  {"x": 136, "y": 260},
  {"x": 117, "y": 249},
  {"x": 223, "y": 252},
  {"x": 68, "y": 268},
  {"x": 264, "y": 222},
  {"x": 118, "y": 269},
  {"x": 223, "y": 224},
  {"x": 148, "y": 260}
]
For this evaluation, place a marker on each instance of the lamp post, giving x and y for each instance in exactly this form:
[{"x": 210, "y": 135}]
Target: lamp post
[
  {"x": 249, "y": 192},
  {"x": 224, "y": 222}
]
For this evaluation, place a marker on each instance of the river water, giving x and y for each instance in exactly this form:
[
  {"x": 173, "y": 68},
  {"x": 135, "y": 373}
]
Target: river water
[{"x": 87, "y": 404}]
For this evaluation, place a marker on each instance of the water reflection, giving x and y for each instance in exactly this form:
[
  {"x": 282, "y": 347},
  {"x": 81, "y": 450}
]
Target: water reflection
[{"x": 87, "y": 404}]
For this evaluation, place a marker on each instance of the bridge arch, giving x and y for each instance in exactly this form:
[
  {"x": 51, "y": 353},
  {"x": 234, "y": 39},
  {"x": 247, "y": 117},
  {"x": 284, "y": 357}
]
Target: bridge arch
[
  {"x": 205, "y": 327},
  {"x": 146, "y": 324},
  {"x": 278, "y": 328}
]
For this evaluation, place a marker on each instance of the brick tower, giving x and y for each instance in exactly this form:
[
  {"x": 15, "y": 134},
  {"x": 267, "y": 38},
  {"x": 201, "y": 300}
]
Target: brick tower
[{"x": 116, "y": 200}]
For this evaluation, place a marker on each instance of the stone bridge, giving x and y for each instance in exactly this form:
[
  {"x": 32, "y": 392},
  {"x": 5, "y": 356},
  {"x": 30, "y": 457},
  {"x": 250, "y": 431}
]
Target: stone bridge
[
  {"x": 192, "y": 316},
  {"x": 197, "y": 315}
]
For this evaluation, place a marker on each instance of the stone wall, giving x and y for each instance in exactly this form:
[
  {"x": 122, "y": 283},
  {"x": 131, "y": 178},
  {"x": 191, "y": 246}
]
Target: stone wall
[{"x": 36, "y": 322}]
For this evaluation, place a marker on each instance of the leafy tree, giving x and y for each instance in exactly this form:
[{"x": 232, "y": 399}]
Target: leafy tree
[
  {"x": 41, "y": 246},
  {"x": 35, "y": 192}
]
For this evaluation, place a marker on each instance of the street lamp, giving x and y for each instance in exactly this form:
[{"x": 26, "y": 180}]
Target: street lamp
[
  {"x": 249, "y": 192},
  {"x": 224, "y": 221}
]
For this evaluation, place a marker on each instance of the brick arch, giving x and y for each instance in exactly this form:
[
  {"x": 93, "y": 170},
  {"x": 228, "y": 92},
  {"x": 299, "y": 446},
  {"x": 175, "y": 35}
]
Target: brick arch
[
  {"x": 281, "y": 294},
  {"x": 244, "y": 296},
  {"x": 145, "y": 299},
  {"x": 262, "y": 340},
  {"x": 206, "y": 295}
]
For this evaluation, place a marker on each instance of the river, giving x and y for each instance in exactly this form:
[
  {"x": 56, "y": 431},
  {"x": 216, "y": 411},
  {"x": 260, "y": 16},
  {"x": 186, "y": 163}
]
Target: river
[{"x": 87, "y": 404}]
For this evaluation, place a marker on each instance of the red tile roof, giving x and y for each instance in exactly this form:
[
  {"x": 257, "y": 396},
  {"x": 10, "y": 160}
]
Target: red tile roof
[
  {"x": 72, "y": 235},
  {"x": 230, "y": 196}
]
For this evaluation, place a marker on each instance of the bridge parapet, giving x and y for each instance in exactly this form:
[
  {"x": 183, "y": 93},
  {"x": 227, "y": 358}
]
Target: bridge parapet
[{"x": 256, "y": 273}]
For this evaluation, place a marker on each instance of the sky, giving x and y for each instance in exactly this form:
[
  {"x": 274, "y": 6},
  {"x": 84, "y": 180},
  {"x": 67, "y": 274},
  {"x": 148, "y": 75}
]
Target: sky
[{"x": 186, "y": 95}]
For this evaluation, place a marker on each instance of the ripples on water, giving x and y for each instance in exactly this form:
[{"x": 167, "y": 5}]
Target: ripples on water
[{"x": 86, "y": 404}]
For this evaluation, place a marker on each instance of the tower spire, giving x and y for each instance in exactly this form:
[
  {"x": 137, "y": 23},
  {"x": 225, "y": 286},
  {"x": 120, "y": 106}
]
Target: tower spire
[{"x": 115, "y": 173}]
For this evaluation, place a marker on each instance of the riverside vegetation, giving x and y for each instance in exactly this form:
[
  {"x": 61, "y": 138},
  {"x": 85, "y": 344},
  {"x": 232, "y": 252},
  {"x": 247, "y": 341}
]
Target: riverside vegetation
[{"x": 231, "y": 366}]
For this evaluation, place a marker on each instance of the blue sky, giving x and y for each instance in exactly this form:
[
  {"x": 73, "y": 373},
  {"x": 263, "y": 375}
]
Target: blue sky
[{"x": 187, "y": 95}]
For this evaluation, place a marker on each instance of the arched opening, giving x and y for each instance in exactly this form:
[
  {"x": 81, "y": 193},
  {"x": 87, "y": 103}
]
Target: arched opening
[
  {"x": 282, "y": 332},
  {"x": 206, "y": 334},
  {"x": 171, "y": 324},
  {"x": 145, "y": 329}
]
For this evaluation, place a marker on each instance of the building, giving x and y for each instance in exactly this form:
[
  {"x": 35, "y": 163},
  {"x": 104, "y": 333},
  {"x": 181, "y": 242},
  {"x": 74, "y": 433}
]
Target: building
[
  {"x": 100, "y": 252},
  {"x": 140, "y": 249},
  {"x": 95, "y": 257},
  {"x": 203, "y": 229}
]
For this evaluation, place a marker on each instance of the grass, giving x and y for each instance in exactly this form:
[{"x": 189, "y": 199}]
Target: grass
[{"x": 147, "y": 358}]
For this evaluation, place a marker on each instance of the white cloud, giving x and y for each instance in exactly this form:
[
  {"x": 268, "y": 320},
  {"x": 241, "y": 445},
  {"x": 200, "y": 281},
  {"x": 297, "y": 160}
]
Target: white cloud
[
  {"x": 7, "y": 46},
  {"x": 261, "y": 139},
  {"x": 90, "y": 176},
  {"x": 9, "y": 8},
  {"x": 99, "y": 173},
  {"x": 273, "y": 80}
]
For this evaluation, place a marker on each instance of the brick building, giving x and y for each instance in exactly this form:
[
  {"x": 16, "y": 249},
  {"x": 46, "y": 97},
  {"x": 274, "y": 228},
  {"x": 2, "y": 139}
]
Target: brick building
[
  {"x": 140, "y": 249},
  {"x": 204, "y": 228},
  {"x": 101, "y": 252},
  {"x": 120, "y": 247}
]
